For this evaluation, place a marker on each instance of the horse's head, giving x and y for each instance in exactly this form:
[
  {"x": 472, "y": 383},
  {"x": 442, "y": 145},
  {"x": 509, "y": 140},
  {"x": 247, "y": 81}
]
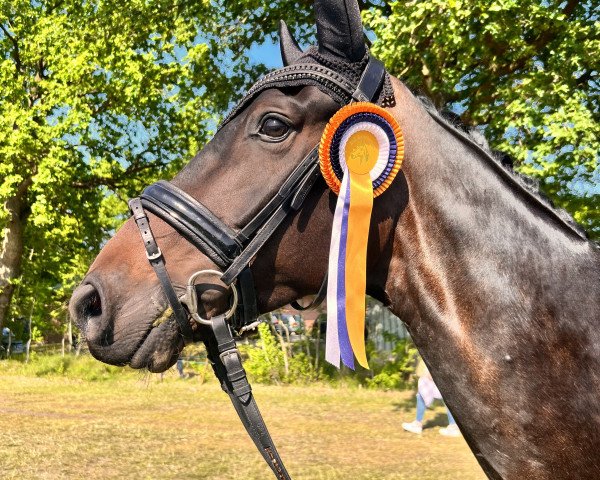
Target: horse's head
[{"x": 265, "y": 142}]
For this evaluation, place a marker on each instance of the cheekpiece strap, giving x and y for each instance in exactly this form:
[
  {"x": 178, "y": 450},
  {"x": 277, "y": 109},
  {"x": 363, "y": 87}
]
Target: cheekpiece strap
[{"x": 157, "y": 261}]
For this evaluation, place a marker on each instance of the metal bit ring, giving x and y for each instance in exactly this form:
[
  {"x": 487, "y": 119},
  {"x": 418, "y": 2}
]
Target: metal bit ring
[{"x": 191, "y": 298}]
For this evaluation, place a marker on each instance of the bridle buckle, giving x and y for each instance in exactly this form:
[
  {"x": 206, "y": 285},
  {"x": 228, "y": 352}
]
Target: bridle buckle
[{"x": 154, "y": 256}]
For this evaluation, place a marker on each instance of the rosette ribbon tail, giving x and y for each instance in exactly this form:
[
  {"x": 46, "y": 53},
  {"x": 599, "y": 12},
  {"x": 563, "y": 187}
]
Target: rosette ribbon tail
[
  {"x": 359, "y": 220},
  {"x": 346, "y": 287},
  {"x": 335, "y": 295}
]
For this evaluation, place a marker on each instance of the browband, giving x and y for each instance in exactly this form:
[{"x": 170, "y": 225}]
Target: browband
[{"x": 330, "y": 81}]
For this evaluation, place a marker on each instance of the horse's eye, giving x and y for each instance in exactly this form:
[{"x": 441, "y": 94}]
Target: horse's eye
[{"x": 274, "y": 127}]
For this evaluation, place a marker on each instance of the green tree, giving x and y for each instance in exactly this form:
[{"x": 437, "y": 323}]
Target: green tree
[
  {"x": 98, "y": 99},
  {"x": 526, "y": 72}
]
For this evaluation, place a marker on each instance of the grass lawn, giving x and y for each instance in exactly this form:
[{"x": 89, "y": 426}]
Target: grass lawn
[{"x": 139, "y": 427}]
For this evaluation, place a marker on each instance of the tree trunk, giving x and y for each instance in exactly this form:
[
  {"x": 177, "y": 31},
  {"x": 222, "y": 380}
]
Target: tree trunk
[
  {"x": 11, "y": 248},
  {"x": 284, "y": 349},
  {"x": 318, "y": 344}
]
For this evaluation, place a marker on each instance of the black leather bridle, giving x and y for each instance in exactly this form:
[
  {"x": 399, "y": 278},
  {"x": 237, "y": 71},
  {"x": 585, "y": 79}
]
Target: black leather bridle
[{"x": 233, "y": 251}]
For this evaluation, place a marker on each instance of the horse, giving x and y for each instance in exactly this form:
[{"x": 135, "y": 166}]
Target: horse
[{"x": 500, "y": 291}]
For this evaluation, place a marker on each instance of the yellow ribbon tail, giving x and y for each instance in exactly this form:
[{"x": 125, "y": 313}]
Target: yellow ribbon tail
[{"x": 359, "y": 221}]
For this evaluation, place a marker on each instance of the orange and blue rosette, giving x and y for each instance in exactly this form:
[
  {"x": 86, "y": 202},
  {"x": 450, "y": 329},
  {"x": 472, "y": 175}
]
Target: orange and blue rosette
[{"x": 361, "y": 152}]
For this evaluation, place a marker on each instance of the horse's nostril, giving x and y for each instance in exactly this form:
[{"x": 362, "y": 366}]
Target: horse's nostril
[
  {"x": 94, "y": 306},
  {"x": 85, "y": 304}
]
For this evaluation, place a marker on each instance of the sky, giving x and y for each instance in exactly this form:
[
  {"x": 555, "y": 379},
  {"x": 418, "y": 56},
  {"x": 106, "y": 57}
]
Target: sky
[{"x": 267, "y": 53}]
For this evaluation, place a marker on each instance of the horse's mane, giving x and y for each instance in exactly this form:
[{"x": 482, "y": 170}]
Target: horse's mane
[{"x": 504, "y": 160}]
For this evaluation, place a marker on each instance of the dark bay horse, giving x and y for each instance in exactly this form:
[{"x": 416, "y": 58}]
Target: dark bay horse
[{"x": 499, "y": 291}]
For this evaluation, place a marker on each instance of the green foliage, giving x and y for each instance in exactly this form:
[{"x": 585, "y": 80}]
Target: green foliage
[
  {"x": 525, "y": 71},
  {"x": 75, "y": 367},
  {"x": 98, "y": 99},
  {"x": 395, "y": 372},
  {"x": 301, "y": 369},
  {"x": 265, "y": 361}
]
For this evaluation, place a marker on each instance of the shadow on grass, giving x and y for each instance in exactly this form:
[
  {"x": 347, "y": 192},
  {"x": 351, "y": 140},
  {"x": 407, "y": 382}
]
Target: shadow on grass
[
  {"x": 440, "y": 420},
  {"x": 405, "y": 405}
]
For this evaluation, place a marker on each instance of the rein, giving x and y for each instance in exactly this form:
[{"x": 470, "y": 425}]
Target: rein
[{"x": 232, "y": 252}]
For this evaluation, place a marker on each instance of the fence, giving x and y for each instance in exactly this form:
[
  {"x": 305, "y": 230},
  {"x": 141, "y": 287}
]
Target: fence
[{"x": 384, "y": 327}]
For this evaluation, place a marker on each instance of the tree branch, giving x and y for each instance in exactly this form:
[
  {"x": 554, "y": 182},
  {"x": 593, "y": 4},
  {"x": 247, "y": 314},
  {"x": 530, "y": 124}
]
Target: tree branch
[
  {"x": 115, "y": 182},
  {"x": 16, "y": 54},
  {"x": 570, "y": 7},
  {"x": 584, "y": 78}
]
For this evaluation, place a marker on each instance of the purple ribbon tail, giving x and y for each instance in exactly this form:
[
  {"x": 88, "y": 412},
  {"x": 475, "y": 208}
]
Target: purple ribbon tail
[{"x": 344, "y": 339}]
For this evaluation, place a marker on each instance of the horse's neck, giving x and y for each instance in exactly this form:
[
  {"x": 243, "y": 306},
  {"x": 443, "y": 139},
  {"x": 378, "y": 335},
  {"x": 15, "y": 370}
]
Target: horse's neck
[{"x": 501, "y": 300}]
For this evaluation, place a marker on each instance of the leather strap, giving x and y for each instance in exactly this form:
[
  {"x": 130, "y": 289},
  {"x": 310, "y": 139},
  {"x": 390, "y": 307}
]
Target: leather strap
[
  {"x": 228, "y": 368},
  {"x": 193, "y": 221},
  {"x": 247, "y": 309},
  {"x": 157, "y": 261},
  {"x": 284, "y": 192},
  {"x": 261, "y": 237},
  {"x": 318, "y": 300},
  {"x": 269, "y": 227},
  {"x": 370, "y": 81}
]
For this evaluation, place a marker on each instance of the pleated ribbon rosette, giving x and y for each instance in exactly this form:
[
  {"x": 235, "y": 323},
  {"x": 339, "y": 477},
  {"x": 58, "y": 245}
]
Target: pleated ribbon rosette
[{"x": 361, "y": 152}]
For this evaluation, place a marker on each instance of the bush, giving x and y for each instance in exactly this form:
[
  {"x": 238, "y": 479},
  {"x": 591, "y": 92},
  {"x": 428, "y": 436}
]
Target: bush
[
  {"x": 266, "y": 362},
  {"x": 302, "y": 369},
  {"x": 395, "y": 372},
  {"x": 82, "y": 367}
]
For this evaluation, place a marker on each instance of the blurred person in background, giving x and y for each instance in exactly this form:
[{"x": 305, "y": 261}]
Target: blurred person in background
[{"x": 427, "y": 392}]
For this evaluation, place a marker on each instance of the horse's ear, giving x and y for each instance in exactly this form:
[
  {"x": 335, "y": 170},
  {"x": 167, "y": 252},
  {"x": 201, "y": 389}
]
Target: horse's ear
[
  {"x": 339, "y": 29},
  {"x": 290, "y": 50}
]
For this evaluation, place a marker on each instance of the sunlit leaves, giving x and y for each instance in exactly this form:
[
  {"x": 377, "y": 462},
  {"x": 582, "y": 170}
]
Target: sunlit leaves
[
  {"x": 99, "y": 98},
  {"x": 525, "y": 70}
]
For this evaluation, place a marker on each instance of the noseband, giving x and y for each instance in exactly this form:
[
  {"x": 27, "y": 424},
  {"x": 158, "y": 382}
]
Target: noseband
[{"x": 233, "y": 251}]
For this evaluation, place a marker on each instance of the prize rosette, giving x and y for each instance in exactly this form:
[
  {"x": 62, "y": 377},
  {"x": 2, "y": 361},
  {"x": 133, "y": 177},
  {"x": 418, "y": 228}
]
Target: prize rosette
[{"x": 361, "y": 153}]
